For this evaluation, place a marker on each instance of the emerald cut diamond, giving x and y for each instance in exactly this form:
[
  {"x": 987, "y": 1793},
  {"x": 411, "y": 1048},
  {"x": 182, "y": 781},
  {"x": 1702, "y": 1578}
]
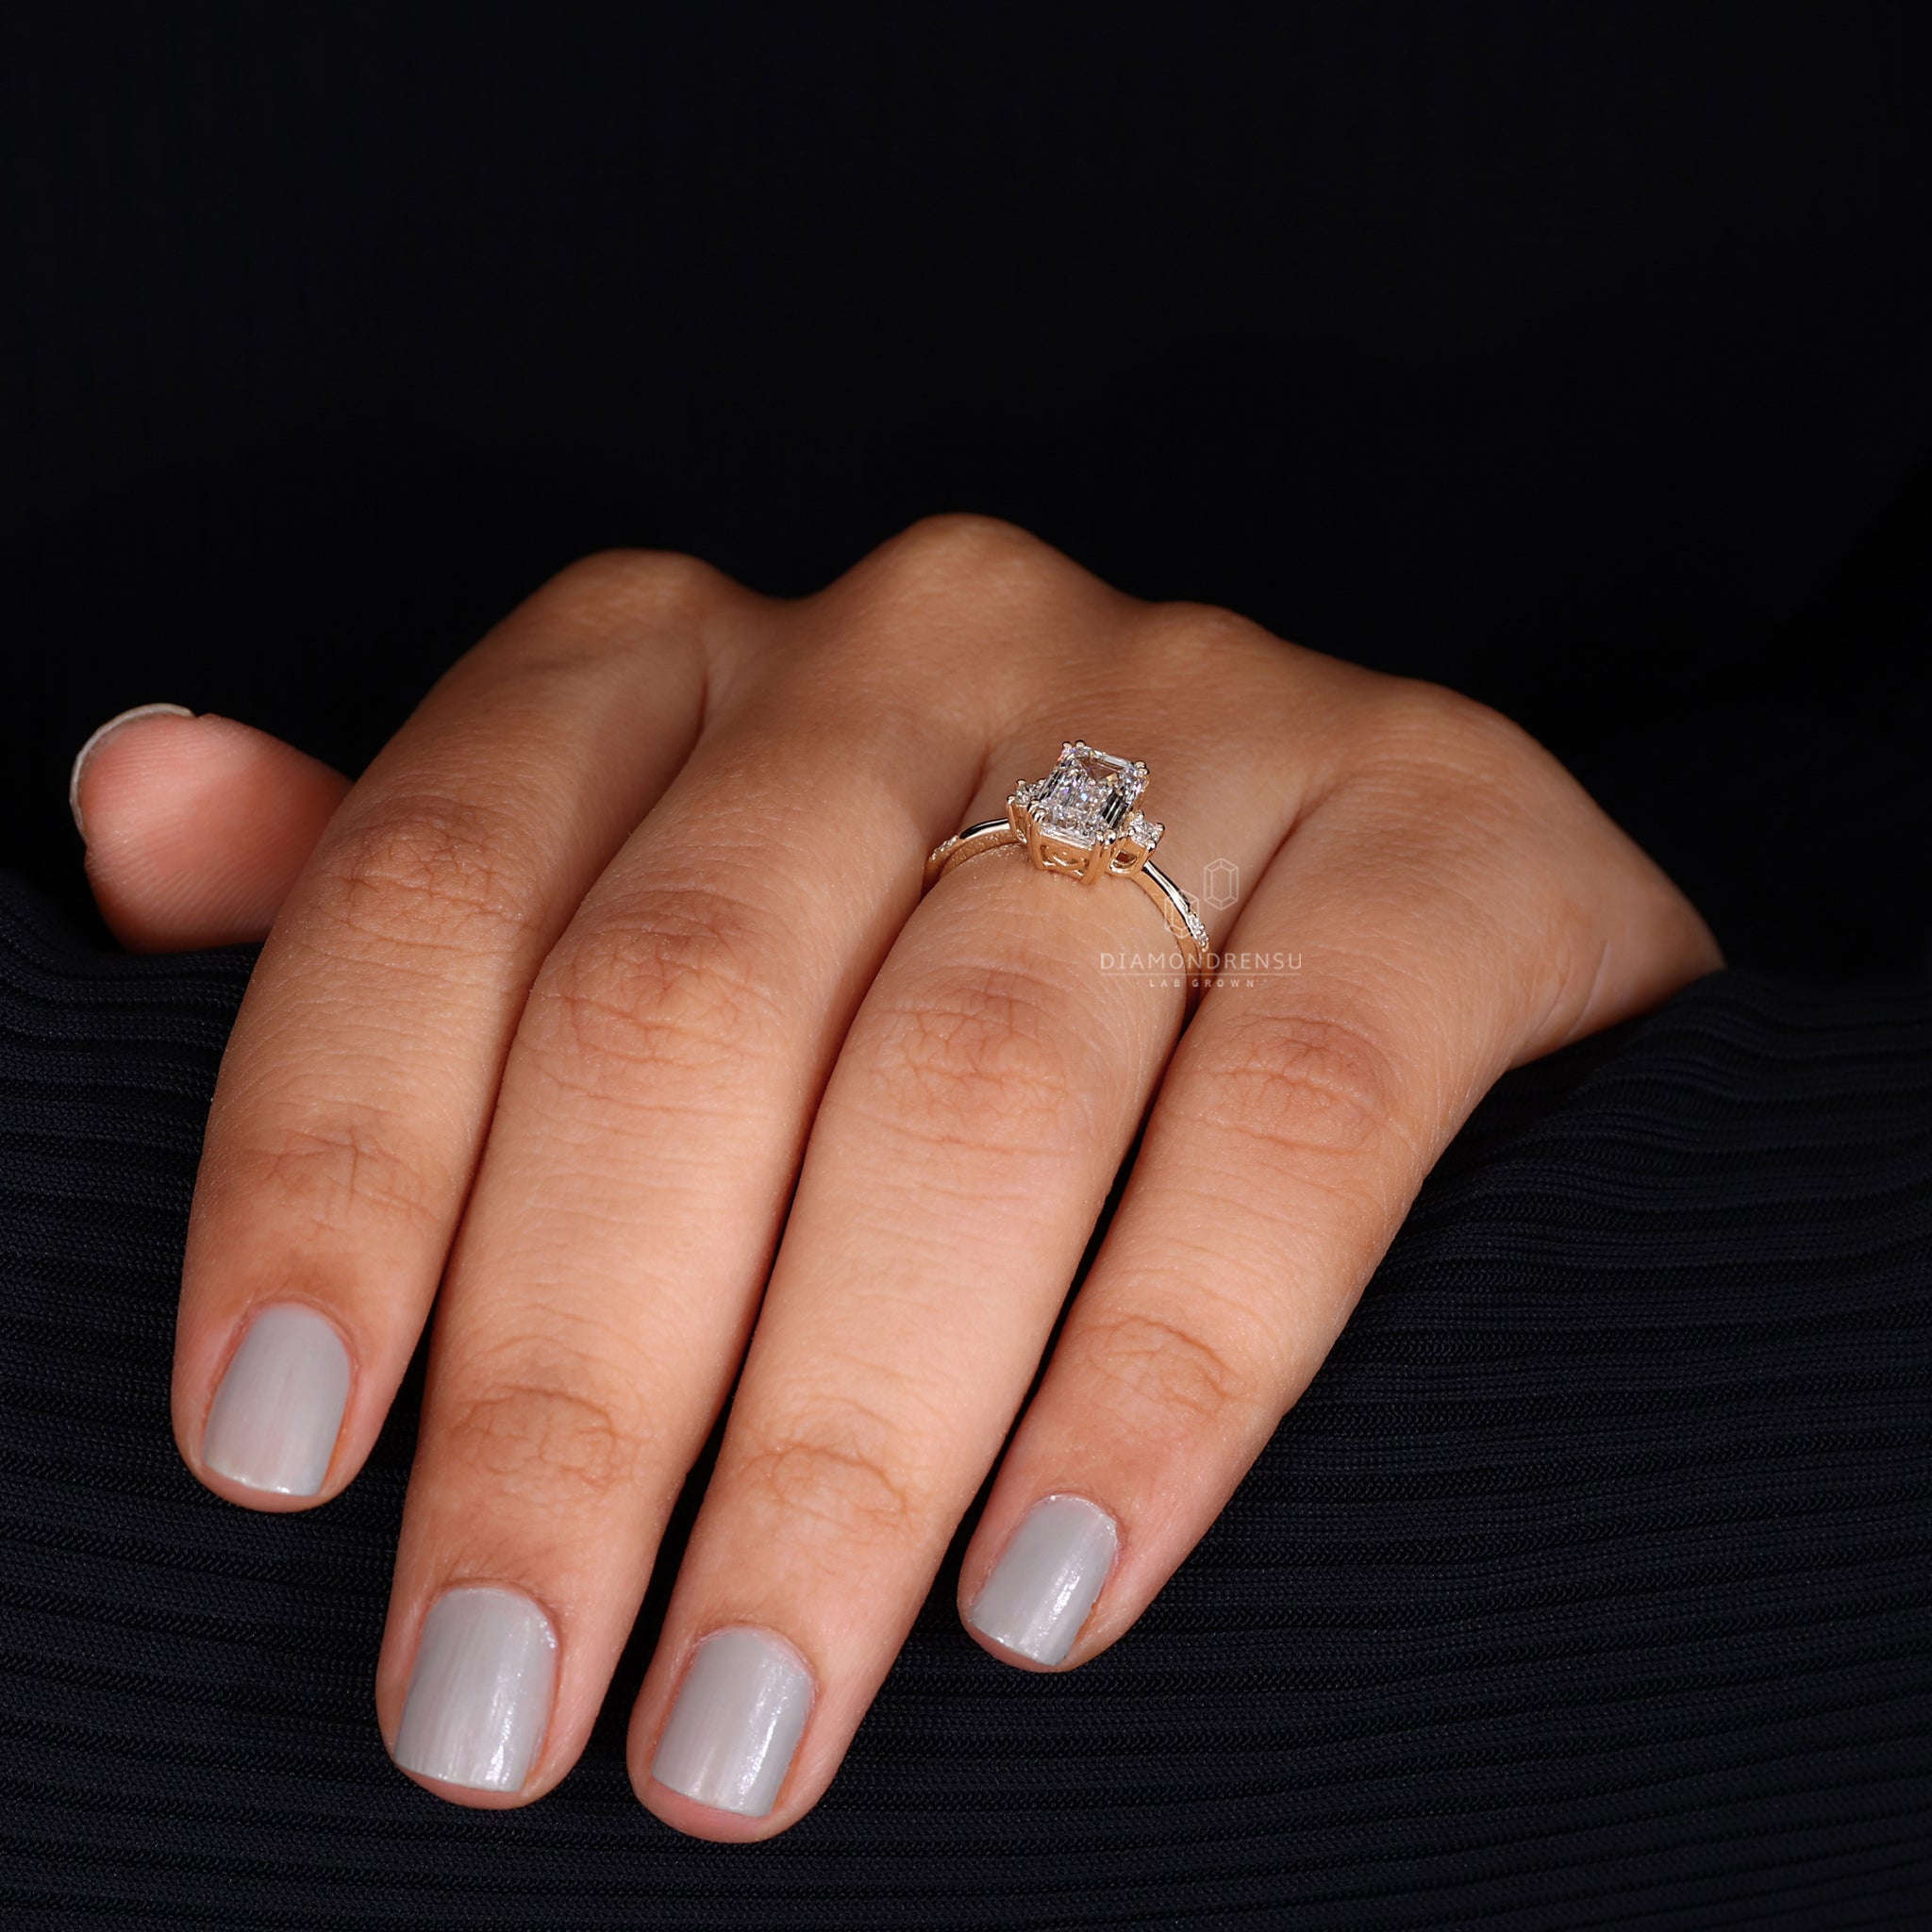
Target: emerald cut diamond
[{"x": 1089, "y": 798}]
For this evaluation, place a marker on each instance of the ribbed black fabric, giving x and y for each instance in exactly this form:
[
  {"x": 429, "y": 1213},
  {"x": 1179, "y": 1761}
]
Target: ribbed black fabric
[{"x": 1587, "y": 1586}]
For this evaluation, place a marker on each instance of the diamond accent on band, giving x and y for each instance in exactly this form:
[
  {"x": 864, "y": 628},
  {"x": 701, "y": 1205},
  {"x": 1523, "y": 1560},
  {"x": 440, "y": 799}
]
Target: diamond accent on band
[
  {"x": 1088, "y": 797},
  {"x": 1191, "y": 912}
]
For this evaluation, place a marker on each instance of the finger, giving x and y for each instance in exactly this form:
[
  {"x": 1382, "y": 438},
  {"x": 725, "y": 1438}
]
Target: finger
[
  {"x": 195, "y": 827},
  {"x": 1292, "y": 1131},
  {"x": 355, "y": 1093},
  {"x": 650, "y": 1125},
  {"x": 976, "y": 1118}
]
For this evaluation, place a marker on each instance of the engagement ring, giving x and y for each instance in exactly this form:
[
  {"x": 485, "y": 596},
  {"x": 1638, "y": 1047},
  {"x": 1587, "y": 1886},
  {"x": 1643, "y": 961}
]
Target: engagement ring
[{"x": 1080, "y": 821}]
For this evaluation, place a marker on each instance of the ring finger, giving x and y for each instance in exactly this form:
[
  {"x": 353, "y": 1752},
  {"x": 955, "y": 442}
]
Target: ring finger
[{"x": 979, "y": 1109}]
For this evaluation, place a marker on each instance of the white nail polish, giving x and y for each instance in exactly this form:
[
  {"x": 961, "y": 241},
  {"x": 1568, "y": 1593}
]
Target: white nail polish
[
  {"x": 276, "y": 1415},
  {"x": 1047, "y": 1578},
  {"x": 739, "y": 1714},
  {"x": 94, "y": 744},
  {"x": 480, "y": 1695}
]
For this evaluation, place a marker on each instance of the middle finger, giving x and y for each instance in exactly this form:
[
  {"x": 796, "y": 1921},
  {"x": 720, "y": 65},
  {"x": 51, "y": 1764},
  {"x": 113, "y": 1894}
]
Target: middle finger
[{"x": 649, "y": 1126}]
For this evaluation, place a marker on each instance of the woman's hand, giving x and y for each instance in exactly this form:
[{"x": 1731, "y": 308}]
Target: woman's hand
[{"x": 622, "y": 936}]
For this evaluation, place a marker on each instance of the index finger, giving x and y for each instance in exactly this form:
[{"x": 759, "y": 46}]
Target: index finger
[{"x": 359, "y": 1078}]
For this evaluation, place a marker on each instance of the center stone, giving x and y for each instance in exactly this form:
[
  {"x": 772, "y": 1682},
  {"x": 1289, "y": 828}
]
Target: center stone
[{"x": 1088, "y": 796}]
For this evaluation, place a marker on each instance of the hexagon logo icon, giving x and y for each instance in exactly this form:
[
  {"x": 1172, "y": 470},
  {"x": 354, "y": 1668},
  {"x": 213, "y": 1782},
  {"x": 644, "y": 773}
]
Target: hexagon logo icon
[{"x": 1221, "y": 883}]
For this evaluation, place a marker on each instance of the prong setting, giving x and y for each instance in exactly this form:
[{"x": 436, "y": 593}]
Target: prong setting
[{"x": 1080, "y": 819}]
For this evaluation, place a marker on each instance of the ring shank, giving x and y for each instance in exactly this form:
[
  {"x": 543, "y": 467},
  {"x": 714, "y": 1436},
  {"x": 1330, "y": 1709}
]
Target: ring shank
[{"x": 989, "y": 835}]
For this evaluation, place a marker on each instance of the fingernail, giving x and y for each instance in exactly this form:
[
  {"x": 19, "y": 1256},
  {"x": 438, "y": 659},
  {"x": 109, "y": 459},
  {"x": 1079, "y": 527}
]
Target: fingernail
[
  {"x": 479, "y": 1697},
  {"x": 735, "y": 1723},
  {"x": 100, "y": 736},
  {"x": 1041, "y": 1588},
  {"x": 279, "y": 1409}
]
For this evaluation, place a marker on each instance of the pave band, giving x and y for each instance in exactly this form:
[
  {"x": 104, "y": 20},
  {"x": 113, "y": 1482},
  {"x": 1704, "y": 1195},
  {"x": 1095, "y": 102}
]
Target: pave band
[{"x": 1076, "y": 821}]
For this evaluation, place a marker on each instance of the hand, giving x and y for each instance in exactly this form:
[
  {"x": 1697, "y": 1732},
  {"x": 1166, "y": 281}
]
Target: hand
[{"x": 622, "y": 936}]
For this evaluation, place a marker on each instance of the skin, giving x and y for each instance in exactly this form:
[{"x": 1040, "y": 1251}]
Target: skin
[{"x": 622, "y": 938}]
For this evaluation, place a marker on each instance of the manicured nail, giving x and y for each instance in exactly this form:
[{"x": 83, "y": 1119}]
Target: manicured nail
[
  {"x": 100, "y": 736},
  {"x": 479, "y": 1697},
  {"x": 1041, "y": 1588},
  {"x": 735, "y": 1723},
  {"x": 277, "y": 1412}
]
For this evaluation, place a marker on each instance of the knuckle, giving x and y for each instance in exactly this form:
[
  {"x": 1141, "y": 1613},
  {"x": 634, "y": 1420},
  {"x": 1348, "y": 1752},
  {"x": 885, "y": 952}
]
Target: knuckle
[
  {"x": 955, "y": 578},
  {"x": 610, "y": 604},
  {"x": 1304, "y": 1083},
  {"x": 840, "y": 1464},
  {"x": 1183, "y": 637},
  {"x": 942, "y": 552},
  {"x": 680, "y": 980},
  {"x": 663, "y": 584},
  {"x": 1163, "y": 1366},
  {"x": 982, "y": 1055},
  {"x": 427, "y": 871},
  {"x": 541, "y": 1427},
  {"x": 336, "y": 1165},
  {"x": 1421, "y": 724}
]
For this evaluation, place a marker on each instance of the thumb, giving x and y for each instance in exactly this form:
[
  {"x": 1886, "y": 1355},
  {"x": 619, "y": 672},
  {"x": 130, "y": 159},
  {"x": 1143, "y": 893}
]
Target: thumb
[{"x": 195, "y": 827}]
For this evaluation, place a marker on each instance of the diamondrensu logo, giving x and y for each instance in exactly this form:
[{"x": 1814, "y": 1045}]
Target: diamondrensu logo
[{"x": 1221, "y": 883}]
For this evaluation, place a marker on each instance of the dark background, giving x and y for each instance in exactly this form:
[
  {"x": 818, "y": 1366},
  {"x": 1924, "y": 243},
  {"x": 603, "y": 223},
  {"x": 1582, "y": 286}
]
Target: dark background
[{"x": 1577, "y": 356}]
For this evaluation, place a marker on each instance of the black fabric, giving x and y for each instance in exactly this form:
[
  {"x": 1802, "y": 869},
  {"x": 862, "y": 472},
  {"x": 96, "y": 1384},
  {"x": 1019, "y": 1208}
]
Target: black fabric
[{"x": 1587, "y": 1586}]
